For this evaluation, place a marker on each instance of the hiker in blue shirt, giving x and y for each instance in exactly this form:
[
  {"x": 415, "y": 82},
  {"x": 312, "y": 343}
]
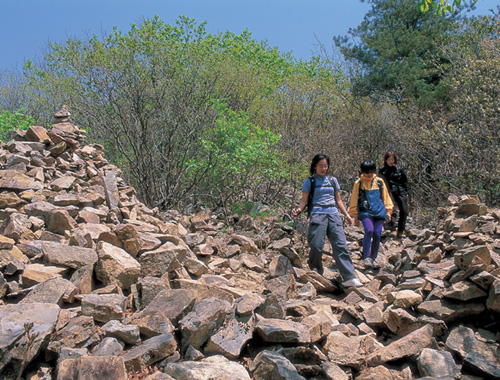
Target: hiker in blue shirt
[{"x": 325, "y": 220}]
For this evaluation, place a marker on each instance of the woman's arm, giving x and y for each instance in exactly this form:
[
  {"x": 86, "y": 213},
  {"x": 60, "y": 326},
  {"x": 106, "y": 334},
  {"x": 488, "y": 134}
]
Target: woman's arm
[
  {"x": 303, "y": 202},
  {"x": 342, "y": 208}
]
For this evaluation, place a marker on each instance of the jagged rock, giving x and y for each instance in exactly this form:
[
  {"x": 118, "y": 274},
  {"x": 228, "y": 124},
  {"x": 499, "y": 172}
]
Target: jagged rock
[
  {"x": 404, "y": 298},
  {"x": 15, "y": 344},
  {"x": 13, "y": 180},
  {"x": 52, "y": 291},
  {"x": 63, "y": 183},
  {"x": 60, "y": 221},
  {"x": 493, "y": 301},
  {"x": 282, "y": 331},
  {"x": 108, "y": 347},
  {"x": 471, "y": 256},
  {"x": 166, "y": 258},
  {"x": 150, "y": 287},
  {"x": 10, "y": 199},
  {"x": 203, "y": 321},
  {"x": 92, "y": 367},
  {"x": 76, "y": 332},
  {"x": 230, "y": 339},
  {"x": 480, "y": 356},
  {"x": 104, "y": 307},
  {"x": 448, "y": 310},
  {"x": 437, "y": 364},
  {"x": 349, "y": 351},
  {"x": 128, "y": 334},
  {"x": 71, "y": 353},
  {"x": 16, "y": 225},
  {"x": 411, "y": 344},
  {"x": 320, "y": 324},
  {"x": 149, "y": 352},
  {"x": 269, "y": 365},
  {"x": 69, "y": 256},
  {"x": 464, "y": 291},
  {"x": 214, "y": 367},
  {"x": 164, "y": 312},
  {"x": 115, "y": 265}
]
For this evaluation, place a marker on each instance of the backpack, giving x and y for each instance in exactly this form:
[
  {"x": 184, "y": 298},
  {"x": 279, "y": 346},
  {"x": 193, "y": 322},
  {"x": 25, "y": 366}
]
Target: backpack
[
  {"x": 309, "y": 205},
  {"x": 362, "y": 201}
]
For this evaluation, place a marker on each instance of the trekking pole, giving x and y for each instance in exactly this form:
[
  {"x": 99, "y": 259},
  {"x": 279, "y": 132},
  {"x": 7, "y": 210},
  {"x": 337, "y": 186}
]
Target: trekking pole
[{"x": 290, "y": 245}]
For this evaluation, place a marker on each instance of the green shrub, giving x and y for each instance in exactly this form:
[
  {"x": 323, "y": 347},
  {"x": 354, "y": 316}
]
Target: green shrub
[{"x": 9, "y": 122}]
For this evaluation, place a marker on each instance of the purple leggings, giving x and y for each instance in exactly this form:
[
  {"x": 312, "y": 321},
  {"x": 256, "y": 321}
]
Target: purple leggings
[{"x": 373, "y": 231}]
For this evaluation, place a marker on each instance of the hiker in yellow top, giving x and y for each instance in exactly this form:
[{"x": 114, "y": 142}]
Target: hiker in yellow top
[{"x": 372, "y": 205}]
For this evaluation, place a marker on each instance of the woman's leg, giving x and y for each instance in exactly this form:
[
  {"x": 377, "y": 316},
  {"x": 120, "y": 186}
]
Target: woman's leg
[
  {"x": 377, "y": 232},
  {"x": 341, "y": 254},
  {"x": 316, "y": 239},
  {"x": 367, "y": 239},
  {"x": 402, "y": 202}
]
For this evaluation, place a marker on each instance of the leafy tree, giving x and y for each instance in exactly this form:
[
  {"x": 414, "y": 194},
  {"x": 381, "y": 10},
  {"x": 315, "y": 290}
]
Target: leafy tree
[
  {"x": 148, "y": 95},
  {"x": 9, "y": 122},
  {"x": 236, "y": 155},
  {"x": 396, "y": 45}
]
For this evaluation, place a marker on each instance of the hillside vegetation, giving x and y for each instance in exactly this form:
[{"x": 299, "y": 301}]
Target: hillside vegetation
[{"x": 193, "y": 117}]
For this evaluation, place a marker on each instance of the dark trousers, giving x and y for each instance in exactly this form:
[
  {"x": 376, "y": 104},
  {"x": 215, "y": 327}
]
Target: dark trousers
[
  {"x": 402, "y": 202},
  {"x": 321, "y": 226}
]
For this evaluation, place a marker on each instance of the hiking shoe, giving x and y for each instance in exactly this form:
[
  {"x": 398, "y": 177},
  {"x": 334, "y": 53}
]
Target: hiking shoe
[
  {"x": 352, "y": 283},
  {"x": 375, "y": 264},
  {"x": 368, "y": 263}
]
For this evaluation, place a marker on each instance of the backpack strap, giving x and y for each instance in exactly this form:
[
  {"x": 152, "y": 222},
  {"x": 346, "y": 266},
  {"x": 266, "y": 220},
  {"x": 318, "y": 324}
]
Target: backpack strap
[{"x": 309, "y": 204}]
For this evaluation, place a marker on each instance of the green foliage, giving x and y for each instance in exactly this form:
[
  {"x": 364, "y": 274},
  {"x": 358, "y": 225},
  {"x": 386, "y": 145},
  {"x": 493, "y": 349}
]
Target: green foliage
[
  {"x": 9, "y": 122},
  {"x": 440, "y": 7},
  {"x": 235, "y": 156}
]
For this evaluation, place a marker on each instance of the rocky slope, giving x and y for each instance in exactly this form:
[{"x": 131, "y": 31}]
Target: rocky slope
[{"x": 95, "y": 285}]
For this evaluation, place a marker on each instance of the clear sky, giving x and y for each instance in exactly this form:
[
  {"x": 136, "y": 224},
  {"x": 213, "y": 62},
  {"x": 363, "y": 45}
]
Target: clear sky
[{"x": 27, "y": 26}]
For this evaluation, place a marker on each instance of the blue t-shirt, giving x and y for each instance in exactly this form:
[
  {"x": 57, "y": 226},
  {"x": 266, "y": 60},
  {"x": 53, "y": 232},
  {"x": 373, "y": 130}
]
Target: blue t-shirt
[{"x": 324, "y": 194}]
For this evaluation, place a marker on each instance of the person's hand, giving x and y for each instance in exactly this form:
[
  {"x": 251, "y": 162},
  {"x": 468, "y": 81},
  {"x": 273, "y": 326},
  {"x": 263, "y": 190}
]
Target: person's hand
[
  {"x": 296, "y": 211},
  {"x": 357, "y": 222},
  {"x": 389, "y": 217},
  {"x": 350, "y": 220}
]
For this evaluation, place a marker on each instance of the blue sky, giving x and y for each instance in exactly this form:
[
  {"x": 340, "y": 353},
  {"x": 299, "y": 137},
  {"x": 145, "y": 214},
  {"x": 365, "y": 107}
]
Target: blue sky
[{"x": 27, "y": 26}]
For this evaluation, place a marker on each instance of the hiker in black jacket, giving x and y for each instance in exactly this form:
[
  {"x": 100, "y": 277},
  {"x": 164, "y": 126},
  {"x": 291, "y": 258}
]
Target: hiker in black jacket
[{"x": 399, "y": 189}]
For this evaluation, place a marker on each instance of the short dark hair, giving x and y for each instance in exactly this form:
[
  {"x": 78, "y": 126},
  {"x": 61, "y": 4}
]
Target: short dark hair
[
  {"x": 317, "y": 158},
  {"x": 368, "y": 166}
]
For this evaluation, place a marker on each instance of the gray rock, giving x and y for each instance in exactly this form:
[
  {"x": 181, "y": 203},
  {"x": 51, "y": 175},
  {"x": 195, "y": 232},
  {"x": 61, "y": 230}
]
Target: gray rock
[
  {"x": 282, "y": 331},
  {"x": 77, "y": 332},
  {"x": 230, "y": 339},
  {"x": 437, "y": 364},
  {"x": 493, "y": 301},
  {"x": 129, "y": 334},
  {"x": 53, "y": 291},
  {"x": 269, "y": 365},
  {"x": 214, "y": 367},
  {"x": 203, "y": 321},
  {"x": 108, "y": 347},
  {"x": 410, "y": 344},
  {"x": 69, "y": 256},
  {"x": 14, "y": 330},
  {"x": 92, "y": 367},
  {"x": 104, "y": 307},
  {"x": 476, "y": 354},
  {"x": 167, "y": 258},
  {"x": 449, "y": 311},
  {"x": 149, "y": 352},
  {"x": 116, "y": 265}
]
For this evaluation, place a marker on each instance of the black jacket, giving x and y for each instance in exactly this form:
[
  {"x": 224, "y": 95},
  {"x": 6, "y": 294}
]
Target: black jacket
[{"x": 396, "y": 180}]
